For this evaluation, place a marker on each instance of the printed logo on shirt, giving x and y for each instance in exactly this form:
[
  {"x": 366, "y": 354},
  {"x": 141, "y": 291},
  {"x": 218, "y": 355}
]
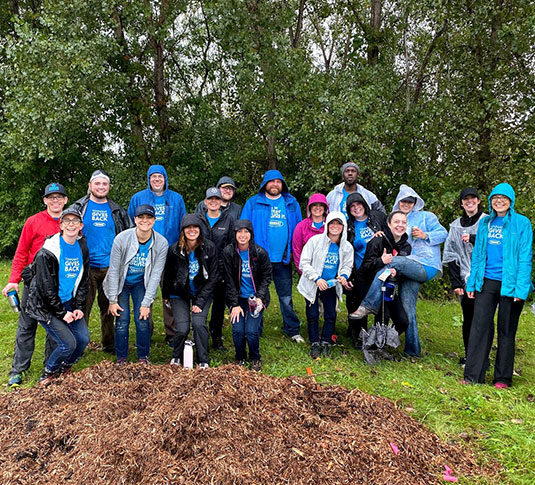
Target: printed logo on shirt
[
  {"x": 72, "y": 267},
  {"x": 331, "y": 259},
  {"x": 245, "y": 270},
  {"x": 366, "y": 233},
  {"x": 193, "y": 269},
  {"x": 495, "y": 235},
  {"x": 159, "y": 211},
  {"x": 276, "y": 217},
  {"x": 138, "y": 263},
  {"x": 99, "y": 218}
]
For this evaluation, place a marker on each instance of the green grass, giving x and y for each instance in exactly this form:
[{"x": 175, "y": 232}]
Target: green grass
[{"x": 495, "y": 424}]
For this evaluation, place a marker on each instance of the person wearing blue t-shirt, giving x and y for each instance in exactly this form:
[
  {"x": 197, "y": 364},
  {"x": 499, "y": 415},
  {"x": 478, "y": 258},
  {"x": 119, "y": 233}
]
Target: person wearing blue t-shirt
[
  {"x": 136, "y": 266},
  {"x": 169, "y": 208},
  {"x": 103, "y": 220},
  {"x": 500, "y": 277},
  {"x": 275, "y": 213},
  {"x": 326, "y": 263},
  {"x": 58, "y": 292}
]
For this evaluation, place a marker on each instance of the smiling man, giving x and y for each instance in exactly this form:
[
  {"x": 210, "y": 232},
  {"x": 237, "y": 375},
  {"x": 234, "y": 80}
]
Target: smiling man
[
  {"x": 103, "y": 219},
  {"x": 36, "y": 229},
  {"x": 169, "y": 209},
  {"x": 337, "y": 197}
]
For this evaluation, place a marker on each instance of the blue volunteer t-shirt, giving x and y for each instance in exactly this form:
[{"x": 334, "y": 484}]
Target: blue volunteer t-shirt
[
  {"x": 70, "y": 265},
  {"x": 494, "y": 266},
  {"x": 136, "y": 267},
  {"x": 99, "y": 231},
  {"x": 159, "y": 211},
  {"x": 213, "y": 220},
  {"x": 193, "y": 271},
  {"x": 246, "y": 283},
  {"x": 343, "y": 203},
  {"x": 330, "y": 268},
  {"x": 277, "y": 230},
  {"x": 318, "y": 225},
  {"x": 363, "y": 235}
]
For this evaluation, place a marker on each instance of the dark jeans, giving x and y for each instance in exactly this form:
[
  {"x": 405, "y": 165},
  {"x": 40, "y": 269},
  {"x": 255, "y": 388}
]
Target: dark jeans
[
  {"x": 247, "y": 329},
  {"x": 328, "y": 298},
  {"x": 354, "y": 298},
  {"x": 122, "y": 323},
  {"x": 467, "y": 305},
  {"x": 182, "y": 312},
  {"x": 71, "y": 338},
  {"x": 282, "y": 277},
  {"x": 218, "y": 311},
  {"x": 25, "y": 339},
  {"x": 482, "y": 334},
  {"x": 96, "y": 277},
  {"x": 393, "y": 310}
]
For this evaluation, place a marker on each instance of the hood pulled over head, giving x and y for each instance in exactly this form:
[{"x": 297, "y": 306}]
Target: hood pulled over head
[
  {"x": 272, "y": 175},
  {"x": 317, "y": 199},
  {"x": 404, "y": 192},
  {"x": 156, "y": 169}
]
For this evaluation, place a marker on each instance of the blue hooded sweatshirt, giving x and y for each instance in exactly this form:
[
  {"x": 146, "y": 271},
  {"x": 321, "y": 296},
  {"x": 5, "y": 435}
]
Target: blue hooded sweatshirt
[
  {"x": 258, "y": 209},
  {"x": 175, "y": 208},
  {"x": 517, "y": 250}
]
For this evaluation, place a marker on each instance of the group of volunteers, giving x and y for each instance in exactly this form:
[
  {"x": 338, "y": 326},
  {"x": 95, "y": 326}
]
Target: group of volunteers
[{"x": 224, "y": 257}]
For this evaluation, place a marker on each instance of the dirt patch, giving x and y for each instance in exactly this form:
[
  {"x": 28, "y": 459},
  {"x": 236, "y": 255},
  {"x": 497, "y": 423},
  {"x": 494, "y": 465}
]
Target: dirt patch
[{"x": 160, "y": 424}]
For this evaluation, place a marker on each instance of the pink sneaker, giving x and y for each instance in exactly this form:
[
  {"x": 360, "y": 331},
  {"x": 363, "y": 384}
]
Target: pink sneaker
[{"x": 501, "y": 385}]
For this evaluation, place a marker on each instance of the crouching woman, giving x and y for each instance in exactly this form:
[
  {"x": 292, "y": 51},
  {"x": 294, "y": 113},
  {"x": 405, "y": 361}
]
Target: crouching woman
[
  {"x": 248, "y": 275},
  {"x": 500, "y": 276},
  {"x": 136, "y": 265},
  {"x": 58, "y": 292},
  {"x": 326, "y": 263},
  {"x": 191, "y": 273}
]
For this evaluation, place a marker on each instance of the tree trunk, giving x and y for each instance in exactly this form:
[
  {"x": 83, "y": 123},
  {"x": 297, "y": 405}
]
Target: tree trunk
[{"x": 375, "y": 31}]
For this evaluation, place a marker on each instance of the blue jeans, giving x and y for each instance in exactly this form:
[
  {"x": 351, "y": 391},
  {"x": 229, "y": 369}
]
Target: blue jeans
[
  {"x": 328, "y": 298},
  {"x": 414, "y": 275},
  {"x": 122, "y": 323},
  {"x": 247, "y": 329},
  {"x": 71, "y": 338},
  {"x": 282, "y": 277}
]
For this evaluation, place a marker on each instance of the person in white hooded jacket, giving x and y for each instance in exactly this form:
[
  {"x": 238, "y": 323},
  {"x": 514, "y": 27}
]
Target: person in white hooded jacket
[
  {"x": 326, "y": 263},
  {"x": 426, "y": 234}
]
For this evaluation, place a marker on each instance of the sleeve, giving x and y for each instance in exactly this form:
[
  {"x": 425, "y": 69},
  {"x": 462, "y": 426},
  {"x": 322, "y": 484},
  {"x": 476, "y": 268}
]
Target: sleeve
[
  {"x": 132, "y": 207},
  {"x": 213, "y": 277},
  {"x": 20, "y": 260},
  {"x": 331, "y": 196},
  {"x": 377, "y": 206},
  {"x": 525, "y": 249},
  {"x": 156, "y": 274},
  {"x": 266, "y": 275},
  {"x": 169, "y": 273},
  {"x": 232, "y": 293},
  {"x": 347, "y": 263},
  {"x": 46, "y": 278},
  {"x": 113, "y": 271},
  {"x": 83, "y": 287},
  {"x": 181, "y": 212},
  {"x": 247, "y": 212},
  {"x": 436, "y": 233},
  {"x": 455, "y": 275},
  {"x": 297, "y": 245},
  {"x": 306, "y": 260},
  {"x": 478, "y": 256},
  {"x": 372, "y": 261}
]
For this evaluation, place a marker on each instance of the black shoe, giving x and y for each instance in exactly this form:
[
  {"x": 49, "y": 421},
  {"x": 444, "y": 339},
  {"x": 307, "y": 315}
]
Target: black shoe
[
  {"x": 47, "y": 377},
  {"x": 169, "y": 340},
  {"x": 326, "y": 350},
  {"x": 256, "y": 365},
  {"x": 241, "y": 363},
  {"x": 357, "y": 344},
  {"x": 315, "y": 350},
  {"x": 108, "y": 350},
  {"x": 462, "y": 361},
  {"x": 217, "y": 344}
]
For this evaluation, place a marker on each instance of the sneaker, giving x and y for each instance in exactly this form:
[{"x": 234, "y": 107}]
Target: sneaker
[
  {"x": 501, "y": 385},
  {"x": 358, "y": 344},
  {"x": 65, "y": 370},
  {"x": 326, "y": 350},
  {"x": 256, "y": 365},
  {"x": 47, "y": 377},
  {"x": 143, "y": 361},
  {"x": 217, "y": 344},
  {"x": 121, "y": 361},
  {"x": 298, "y": 339},
  {"x": 175, "y": 361},
  {"x": 241, "y": 363},
  {"x": 462, "y": 361},
  {"x": 14, "y": 381},
  {"x": 203, "y": 365},
  {"x": 315, "y": 350},
  {"x": 360, "y": 312}
]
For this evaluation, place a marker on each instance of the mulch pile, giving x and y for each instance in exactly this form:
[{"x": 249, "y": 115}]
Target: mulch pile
[{"x": 161, "y": 424}]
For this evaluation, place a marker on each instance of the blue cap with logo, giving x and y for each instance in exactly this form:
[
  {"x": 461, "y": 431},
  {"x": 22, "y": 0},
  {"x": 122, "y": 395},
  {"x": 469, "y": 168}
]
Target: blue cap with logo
[
  {"x": 54, "y": 188},
  {"x": 144, "y": 209}
]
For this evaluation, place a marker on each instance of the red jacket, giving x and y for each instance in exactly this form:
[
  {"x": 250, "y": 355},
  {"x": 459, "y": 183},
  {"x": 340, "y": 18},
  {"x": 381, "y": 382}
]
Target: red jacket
[{"x": 36, "y": 229}]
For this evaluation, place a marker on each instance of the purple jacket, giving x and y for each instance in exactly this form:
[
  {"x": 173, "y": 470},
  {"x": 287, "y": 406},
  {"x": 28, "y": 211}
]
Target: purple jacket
[{"x": 305, "y": 229}]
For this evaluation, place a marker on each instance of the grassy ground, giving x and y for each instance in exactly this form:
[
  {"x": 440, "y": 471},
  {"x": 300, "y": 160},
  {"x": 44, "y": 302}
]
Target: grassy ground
[{"x": 496, "y": 424}]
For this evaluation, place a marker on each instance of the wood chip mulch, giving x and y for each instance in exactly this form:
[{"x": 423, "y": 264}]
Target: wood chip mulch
[{"x": 161, "y": 424}]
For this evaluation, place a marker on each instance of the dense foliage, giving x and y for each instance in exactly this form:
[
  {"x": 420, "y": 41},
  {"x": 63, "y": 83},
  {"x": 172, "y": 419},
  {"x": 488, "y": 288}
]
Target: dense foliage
[{"x": 437, "y": 94}]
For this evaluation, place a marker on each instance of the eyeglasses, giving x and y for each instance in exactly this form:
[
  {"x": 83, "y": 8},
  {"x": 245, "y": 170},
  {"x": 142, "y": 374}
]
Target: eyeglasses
[
  {"x": 55, "y": 197},
  {"x": 501, "y": 198},
  {"x": 71, "y": 222}
]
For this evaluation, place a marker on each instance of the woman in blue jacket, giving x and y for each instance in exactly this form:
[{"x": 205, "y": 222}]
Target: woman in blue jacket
[{"x": 500, "y": 276}]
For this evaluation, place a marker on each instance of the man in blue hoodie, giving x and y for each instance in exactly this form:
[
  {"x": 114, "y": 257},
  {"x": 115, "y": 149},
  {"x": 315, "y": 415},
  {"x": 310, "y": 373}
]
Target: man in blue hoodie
[
  {"x": 170, "y": 208},
  {"x": 274, "y": 214}
]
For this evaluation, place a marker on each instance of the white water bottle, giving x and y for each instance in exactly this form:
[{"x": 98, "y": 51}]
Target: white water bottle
[{"x": 188, "y": 354}]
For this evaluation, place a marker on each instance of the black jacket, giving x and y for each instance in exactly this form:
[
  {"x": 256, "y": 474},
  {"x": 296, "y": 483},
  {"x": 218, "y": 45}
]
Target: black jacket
[
  {"x": 372, "y": 261},
  {"x": 221, "y": 233},
  {"x": 376, "y": 219},
  {"x": 120, "y": 217},
  {"x": 176, "y": 273},
  {"x": 232, "y": 208},
  {"x": 43, "y": 298},
  {"x": 261, "y": 272}
]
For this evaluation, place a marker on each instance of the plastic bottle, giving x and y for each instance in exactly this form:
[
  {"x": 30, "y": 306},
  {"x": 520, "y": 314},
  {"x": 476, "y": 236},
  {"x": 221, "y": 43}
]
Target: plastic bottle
[
  {"x": 254, "y": 307},
  {"x": 14, "y": 300},
  {"x": 188, "y": 354},
  {"x": 331, "y": 282}
]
